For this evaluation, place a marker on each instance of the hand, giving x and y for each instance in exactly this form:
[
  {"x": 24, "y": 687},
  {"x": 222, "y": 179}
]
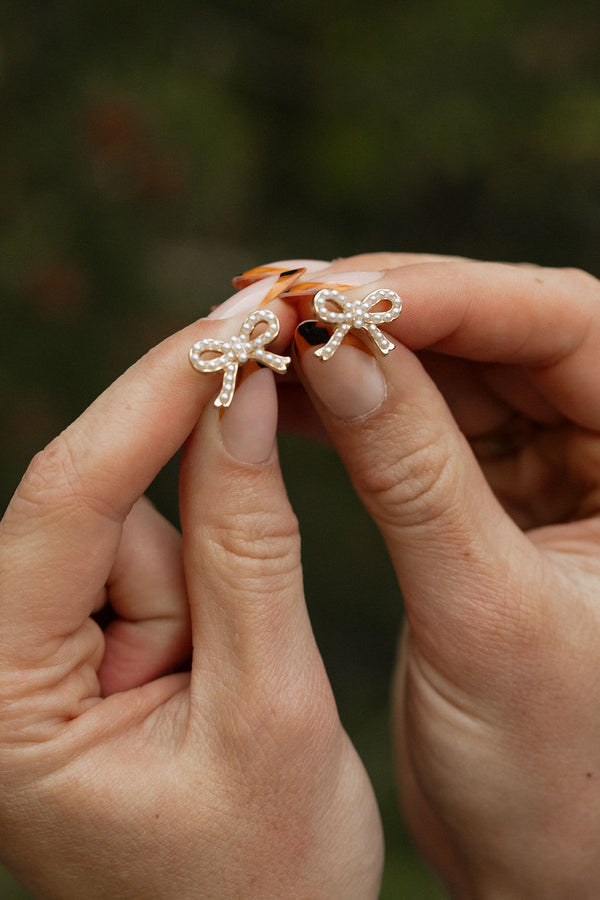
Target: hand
[
  {"x": 496, "y": 696},
  {"x": 121, "y": 774}
]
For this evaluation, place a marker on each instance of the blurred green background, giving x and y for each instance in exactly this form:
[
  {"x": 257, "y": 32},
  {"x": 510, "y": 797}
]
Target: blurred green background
[{"x": 149, "y": 152}]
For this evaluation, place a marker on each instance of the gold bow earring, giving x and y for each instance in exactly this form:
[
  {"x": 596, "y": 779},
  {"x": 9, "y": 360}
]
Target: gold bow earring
[
  {"x": 332, "y": 307},
  {"x": 237, "y": 350}
]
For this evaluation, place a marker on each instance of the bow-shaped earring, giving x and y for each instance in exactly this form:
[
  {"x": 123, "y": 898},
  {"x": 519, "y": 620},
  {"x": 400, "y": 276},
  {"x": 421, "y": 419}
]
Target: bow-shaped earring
[
  {"x": 355, "y": 314},
  {"x": 238, "y": 350}
]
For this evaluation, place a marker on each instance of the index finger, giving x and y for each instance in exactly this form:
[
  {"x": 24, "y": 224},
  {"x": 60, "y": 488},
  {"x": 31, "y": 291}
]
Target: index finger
[
  {"x": 60, "y": 533},
  {"x": 545, "y": 320}
]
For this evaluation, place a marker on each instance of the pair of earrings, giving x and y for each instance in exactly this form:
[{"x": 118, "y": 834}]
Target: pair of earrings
[{"x": 329, "y": 305}]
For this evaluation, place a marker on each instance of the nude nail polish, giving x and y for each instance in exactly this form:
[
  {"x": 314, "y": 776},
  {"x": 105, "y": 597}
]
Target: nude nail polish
[
  {"x": 249, "y": 425},
  {"x": 350, "y": 384}
]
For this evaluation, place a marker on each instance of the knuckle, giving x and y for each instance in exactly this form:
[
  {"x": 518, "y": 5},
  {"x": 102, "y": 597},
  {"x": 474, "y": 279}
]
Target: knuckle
[
  {"x": 415, "y": 487},
  {"x": 55, "y": 465},
  {"x": 257, "y": 540},
  {"x": 50, "y": 474},
  {"x": 55, "y": 479}
]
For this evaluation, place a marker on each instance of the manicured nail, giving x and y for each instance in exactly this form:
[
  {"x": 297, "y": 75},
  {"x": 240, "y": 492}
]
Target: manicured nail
[
  {"x": 283, "y": 282},
  {"x": 276, "y": 268},
  {"x": 340, "y": 281},
  {"x": 245, "y": 301},
  {"x": 350, "y": 383},
  {"x": 249, "y": 425}
]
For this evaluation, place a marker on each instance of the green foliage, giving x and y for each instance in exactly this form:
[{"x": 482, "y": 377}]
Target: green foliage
[{"x": 151, "y": 151}]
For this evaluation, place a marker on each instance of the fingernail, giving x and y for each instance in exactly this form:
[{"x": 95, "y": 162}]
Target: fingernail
[
  {"x": 276, "y": 268},
  {"x": 249, "y": 425},
  {"x": 341, "y": 281},
  {"x": 283, "y": 281},
  {"x": 350, "y": 384},
  {"x": 245, "y": 301}
]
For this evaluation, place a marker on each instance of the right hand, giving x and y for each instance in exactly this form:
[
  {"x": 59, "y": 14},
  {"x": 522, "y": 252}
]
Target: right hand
[{"x": 496, "y": 693}]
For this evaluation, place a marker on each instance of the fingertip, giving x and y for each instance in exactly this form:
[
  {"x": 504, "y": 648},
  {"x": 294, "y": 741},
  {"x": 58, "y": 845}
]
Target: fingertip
[
  {"x": 249, "y": 425},
  {"x": 350, "y": 384}
]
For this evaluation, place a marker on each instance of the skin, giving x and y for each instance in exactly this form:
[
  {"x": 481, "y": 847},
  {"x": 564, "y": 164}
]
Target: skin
[
  {"x": 238, "y": 779},
  {"x": 121, "y": 776},
  {"x": 496, "y": 699}
]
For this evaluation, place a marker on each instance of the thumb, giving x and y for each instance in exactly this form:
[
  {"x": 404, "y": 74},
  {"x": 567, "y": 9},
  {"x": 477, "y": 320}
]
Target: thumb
[
  {"x": 241, "y": 547},
  {"x": 453, "y": 547}
]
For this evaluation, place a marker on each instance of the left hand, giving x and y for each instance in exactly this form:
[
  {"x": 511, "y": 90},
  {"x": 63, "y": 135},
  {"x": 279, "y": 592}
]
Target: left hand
[{"x": 122, "y": 773}]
